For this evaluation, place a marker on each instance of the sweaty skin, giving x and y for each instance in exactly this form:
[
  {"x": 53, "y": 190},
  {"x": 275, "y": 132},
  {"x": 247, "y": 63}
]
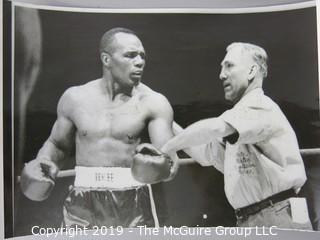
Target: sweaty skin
[
  {"x": 103, "y": 119},
  {"x": 107, "y": 132}
]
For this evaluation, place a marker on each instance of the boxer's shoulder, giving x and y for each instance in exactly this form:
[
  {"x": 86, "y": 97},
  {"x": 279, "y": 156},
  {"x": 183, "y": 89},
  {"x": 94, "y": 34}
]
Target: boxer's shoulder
[
  {"x": 91, "y": 87},
  {"x": 143, "y": 90},
  {"x": 156, "y": 103},
  {"x": 73, "y": 97},
  {"x": 151, "y": 97},
  {"x": 74, "y": 94},
  {"x": 68, "y": 100}
]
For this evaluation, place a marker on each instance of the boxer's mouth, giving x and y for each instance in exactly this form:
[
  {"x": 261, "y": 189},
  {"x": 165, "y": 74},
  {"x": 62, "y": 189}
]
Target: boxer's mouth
[{"x": 137, "y": 74}]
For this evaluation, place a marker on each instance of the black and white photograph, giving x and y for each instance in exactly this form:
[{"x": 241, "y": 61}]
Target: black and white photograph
[{"x": 155, "y": 118}]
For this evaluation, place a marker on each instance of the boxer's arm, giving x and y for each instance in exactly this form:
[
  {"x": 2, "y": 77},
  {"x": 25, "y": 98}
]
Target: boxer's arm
[
  {"x": 198, "y": 133},
  {"x": 160, "y": 126},
  {"x": 38, "y": 175},
  {"x": 61, "y": 140}
]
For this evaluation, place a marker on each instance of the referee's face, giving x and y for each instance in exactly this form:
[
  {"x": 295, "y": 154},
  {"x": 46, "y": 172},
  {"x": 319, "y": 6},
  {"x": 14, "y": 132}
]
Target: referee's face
[{"x": 235, "y": 70}]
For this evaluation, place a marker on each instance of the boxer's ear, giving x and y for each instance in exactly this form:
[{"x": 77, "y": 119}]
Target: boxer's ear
[{"x": 105, "y": 58}]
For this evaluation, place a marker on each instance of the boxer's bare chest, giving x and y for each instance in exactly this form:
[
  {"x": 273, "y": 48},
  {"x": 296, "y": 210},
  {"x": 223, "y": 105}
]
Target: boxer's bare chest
[{"x": 121, "y": 119}]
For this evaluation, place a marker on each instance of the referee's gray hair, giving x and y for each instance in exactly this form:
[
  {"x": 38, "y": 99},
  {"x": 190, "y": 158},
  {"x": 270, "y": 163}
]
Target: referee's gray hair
[{"x": 258, "y": 54}]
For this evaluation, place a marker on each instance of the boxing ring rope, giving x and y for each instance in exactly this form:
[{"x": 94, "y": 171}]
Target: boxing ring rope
[
  {"x": 310, "y": 152},
  {"x": 187, "y": 161}
]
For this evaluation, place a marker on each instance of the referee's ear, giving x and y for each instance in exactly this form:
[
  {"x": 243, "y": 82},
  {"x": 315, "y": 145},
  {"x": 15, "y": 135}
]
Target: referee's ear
[{"x": 252, "y": 72}]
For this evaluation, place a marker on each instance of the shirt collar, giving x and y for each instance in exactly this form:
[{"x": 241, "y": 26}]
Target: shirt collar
[{"x": 253, "y": 92}]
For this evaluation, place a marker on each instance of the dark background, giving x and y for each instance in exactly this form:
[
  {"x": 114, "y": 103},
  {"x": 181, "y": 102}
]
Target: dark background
[{"x": 184, "y": 52}]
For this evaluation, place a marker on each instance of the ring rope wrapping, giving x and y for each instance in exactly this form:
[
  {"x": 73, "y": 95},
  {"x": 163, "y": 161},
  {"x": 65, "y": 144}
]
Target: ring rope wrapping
[{"x": 187, "y": 161}]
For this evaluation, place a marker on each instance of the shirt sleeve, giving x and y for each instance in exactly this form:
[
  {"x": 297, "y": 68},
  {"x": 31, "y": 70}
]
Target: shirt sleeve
[
  {"x": 254, "y": 122},
  {"x": 215, "y": 151},
  {"x": 212, "y": 154}
]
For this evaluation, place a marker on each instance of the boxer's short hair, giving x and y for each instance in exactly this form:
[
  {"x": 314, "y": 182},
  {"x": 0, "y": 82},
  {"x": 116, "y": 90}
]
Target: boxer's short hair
[{"x": 108, "y": 37}]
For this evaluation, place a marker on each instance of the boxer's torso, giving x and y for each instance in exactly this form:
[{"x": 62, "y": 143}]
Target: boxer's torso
[{"x": 108, "y": 130}]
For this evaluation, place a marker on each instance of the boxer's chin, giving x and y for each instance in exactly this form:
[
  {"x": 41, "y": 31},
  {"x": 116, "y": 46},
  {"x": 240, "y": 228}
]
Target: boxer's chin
[{"x": 136, "y": 78}]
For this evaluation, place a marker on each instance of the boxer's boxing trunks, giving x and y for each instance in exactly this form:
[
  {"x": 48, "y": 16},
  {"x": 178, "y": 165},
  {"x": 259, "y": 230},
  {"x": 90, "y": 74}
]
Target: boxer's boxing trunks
[{"x": 108, "y": 197}]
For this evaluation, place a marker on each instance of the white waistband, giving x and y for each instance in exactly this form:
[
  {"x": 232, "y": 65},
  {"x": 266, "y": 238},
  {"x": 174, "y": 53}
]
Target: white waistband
[{"x": 105, "y": 177}]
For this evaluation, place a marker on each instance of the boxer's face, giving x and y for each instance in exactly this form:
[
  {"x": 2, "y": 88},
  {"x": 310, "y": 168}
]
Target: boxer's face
[
  {"x": 127, "y": 59},
  {"x": 235, "y": 69}
]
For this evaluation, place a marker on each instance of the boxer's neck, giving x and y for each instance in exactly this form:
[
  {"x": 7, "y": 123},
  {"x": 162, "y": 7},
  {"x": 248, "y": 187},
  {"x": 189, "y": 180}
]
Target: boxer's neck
[{"x": 112, "y": 88}]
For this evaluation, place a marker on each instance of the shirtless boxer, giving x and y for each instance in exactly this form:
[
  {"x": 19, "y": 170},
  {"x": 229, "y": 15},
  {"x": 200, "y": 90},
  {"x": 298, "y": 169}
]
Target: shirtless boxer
[{"x": 103, "y": 121}]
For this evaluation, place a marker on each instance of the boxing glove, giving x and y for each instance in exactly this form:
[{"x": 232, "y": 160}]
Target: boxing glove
[
  {"x": 37, "y": 179},
  {"x": 150, "y": 165}
]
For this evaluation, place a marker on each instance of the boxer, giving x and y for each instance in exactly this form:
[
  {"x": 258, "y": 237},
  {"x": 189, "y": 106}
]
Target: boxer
[{"x": 103, "y": 121}]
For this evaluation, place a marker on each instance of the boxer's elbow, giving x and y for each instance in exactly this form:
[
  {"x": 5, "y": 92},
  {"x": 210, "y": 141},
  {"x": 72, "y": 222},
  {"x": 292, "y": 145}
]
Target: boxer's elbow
[{"x": 55, "y": 151}]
